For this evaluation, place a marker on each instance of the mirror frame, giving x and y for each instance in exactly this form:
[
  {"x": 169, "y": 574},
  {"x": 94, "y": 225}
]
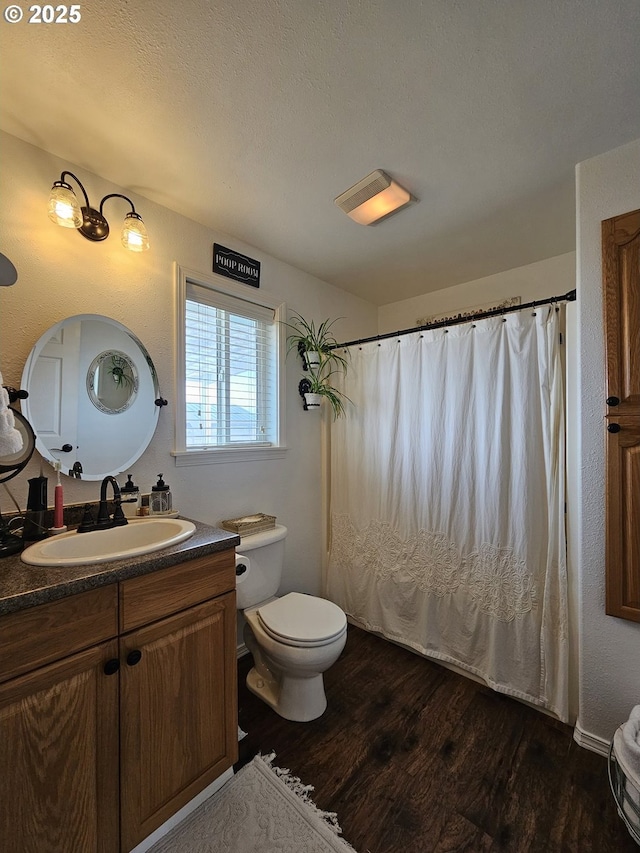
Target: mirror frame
[{"x": 117, "y": 464}]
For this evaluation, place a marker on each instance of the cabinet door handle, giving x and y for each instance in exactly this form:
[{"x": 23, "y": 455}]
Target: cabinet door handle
[
  {"x": 111, "y": 666},
  {"x": 134, "y": 657},
  {"x": 613, "y": 401},
  {"x": 614, "y": 427}
]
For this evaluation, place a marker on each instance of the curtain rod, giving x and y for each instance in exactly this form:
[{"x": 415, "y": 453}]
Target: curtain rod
[{"x": 455, "y": 321}]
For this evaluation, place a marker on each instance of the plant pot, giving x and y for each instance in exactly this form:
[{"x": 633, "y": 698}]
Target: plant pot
[
  {"x": 313, "y": 400},
  {"x": 312, "y": 360}
]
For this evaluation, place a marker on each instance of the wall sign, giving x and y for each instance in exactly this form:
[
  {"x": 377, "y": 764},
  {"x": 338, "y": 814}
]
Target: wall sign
[{"x": 236, "y": 266}]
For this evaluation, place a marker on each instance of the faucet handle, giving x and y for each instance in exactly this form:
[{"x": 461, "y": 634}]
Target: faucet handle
[
  {"x": 88, "y": 522},
  {"x": 119, "y": 518}
]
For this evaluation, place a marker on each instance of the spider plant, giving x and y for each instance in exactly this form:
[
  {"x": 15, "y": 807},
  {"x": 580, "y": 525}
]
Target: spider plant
[
  {"x": 120, "y": 371},
  {"x": 319, "y": 383},
  {"x": 306, "y": 336}
]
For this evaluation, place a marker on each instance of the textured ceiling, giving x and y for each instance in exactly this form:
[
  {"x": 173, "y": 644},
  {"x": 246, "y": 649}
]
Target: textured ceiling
[{"x": 251, "y": 116}]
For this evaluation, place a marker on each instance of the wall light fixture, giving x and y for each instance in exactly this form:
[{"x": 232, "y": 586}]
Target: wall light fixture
[
  {"x": 374, "y": 198},
  {"x": 64, "y": 210}
]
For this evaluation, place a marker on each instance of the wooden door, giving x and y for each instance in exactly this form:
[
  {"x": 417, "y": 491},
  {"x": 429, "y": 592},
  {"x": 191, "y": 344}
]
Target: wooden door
[
  {"x": 59, "y": 757},
  {"x": 621, "y": 290},
  {"x": 178, "y": 712}
]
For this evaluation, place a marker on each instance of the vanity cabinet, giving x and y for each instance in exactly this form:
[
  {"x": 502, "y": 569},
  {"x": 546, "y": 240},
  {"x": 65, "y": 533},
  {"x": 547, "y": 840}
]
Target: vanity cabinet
[
  {"x": 621, "y": 297},
  {"x": 107, "y": 733}
]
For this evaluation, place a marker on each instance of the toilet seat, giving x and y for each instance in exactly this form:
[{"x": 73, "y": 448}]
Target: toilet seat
[{"x": 302, "y": 620}]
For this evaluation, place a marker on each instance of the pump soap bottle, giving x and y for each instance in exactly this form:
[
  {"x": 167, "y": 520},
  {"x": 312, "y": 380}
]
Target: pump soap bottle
[
  {"x": 160, "y": 501},
  {"x": 130, "y": 495}
]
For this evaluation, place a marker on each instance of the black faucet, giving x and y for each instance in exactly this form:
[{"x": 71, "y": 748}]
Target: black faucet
[{"x": 104, "y": 520}]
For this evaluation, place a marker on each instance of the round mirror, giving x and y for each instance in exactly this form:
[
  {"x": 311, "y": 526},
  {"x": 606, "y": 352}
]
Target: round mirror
[
  {"x": 112, "y": 382},
  {"x": 92, "y": 390}
]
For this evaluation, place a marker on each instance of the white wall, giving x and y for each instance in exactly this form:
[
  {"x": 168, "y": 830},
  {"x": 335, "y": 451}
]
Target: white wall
[
  {"x": 534, "y": 281},
  {"x": 607, "y": 185},
  {"x": 62, "y": 274}
]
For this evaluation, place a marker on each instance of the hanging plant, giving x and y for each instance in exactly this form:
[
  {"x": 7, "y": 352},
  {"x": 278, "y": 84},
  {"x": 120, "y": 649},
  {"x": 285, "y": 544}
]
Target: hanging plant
[
  {"x": 310, "y": 339},
  {"x": 318, "y": 382},
  {"x": 120, "y": 371}
]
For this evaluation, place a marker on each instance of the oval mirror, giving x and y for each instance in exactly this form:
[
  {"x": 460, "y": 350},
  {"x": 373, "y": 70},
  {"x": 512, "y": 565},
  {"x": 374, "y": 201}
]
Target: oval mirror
[{"x": 92, "y": 390}]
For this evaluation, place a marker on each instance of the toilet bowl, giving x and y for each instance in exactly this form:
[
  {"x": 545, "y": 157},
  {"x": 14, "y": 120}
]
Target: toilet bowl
[{"x": 293, "y": 639}]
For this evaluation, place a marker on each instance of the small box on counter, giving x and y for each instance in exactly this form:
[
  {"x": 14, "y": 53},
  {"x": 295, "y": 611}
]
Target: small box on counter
[{"x": 249, "y": 524}]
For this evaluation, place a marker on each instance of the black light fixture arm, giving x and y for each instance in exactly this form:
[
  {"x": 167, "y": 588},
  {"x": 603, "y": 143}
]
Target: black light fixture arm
[
  {"x": 118, "y": 195},
  {"x": 79, "y": 182}
]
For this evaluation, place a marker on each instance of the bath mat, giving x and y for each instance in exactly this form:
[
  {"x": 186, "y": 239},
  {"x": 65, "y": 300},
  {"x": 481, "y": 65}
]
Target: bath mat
[{"x": 262, "y": 809}]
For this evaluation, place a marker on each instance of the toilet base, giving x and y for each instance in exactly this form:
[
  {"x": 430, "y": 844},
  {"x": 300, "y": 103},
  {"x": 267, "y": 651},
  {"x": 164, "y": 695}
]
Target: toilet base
[{"x": 298, "y": 699}]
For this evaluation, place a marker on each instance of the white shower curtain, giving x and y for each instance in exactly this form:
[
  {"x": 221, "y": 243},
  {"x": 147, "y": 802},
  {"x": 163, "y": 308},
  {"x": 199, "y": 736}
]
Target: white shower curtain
[{"x": 447, "y": 499}]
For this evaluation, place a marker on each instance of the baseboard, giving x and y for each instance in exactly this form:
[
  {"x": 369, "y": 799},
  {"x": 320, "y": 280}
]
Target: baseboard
[
  {"x": 242, "y": 650},
  {"x": 591, "y": 742}
]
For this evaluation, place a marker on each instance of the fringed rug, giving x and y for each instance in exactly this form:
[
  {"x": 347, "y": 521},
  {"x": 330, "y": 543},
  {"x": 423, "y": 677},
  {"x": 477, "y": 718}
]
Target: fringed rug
[{"x": 262, "y": 809}]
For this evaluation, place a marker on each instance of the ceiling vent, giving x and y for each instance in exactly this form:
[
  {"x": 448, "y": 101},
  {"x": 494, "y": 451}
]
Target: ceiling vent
[{"x": 373, "y": 198}]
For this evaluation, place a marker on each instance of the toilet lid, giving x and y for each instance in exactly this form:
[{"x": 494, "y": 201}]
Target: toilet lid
[{"x": 299, "y": 618}]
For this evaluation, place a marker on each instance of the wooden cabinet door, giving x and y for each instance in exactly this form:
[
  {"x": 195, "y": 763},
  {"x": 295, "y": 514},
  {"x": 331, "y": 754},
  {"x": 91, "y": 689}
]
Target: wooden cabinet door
[
  {"x": 178, "y": 712},
  {"x": 59, "y": 757},
  {"x": 623, "y": 519},
  {"x": 621, "y": 290},
  {"x": 621, "y": 284}
]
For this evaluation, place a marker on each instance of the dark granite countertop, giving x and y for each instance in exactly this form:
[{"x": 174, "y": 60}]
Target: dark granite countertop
[{"x": 23, "y": 586}]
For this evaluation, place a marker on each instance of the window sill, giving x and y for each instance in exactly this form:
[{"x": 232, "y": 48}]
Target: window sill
[{"x": 215, "y": 456}]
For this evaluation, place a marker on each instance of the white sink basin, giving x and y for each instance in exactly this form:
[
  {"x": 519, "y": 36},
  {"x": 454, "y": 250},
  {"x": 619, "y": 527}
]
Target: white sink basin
[{"x": 139, "y": 536}]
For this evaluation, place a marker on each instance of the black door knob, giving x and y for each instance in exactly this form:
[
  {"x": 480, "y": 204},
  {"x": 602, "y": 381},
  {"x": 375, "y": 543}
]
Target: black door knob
[
  {"x": 111, "y": 666},
  {"x": 613, "y": 401},
  {"x": 614, "y": 427},
  {"x": 134, "y": 657}
]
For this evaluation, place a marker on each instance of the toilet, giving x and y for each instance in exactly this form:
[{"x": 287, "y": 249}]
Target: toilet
[{"x": 294, "y": 639}]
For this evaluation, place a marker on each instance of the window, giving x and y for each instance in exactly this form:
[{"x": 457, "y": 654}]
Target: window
[{"x": 230, "y": 351}]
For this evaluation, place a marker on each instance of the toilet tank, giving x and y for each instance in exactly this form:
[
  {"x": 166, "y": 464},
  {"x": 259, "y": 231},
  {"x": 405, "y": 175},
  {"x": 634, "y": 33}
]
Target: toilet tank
[{"x": 264, "y": 554}]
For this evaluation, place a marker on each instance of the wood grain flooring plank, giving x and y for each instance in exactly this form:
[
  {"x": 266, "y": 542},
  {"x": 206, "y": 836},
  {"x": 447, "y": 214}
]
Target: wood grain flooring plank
[{"x": 461, "y": 836}]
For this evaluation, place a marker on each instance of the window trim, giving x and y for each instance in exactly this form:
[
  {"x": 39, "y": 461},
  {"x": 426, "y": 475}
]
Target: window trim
[{"x": 184, "y": 457}]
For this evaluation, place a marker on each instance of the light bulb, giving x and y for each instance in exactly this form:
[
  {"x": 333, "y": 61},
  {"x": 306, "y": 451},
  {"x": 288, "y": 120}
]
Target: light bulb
[
  {"x": 63, "y": 206},
  {"x": 134, "y": 233}
]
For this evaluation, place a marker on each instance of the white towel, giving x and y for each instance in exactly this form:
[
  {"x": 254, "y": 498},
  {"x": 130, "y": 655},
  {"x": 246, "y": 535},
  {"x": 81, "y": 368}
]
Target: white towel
[
  {"x": 10, "y": 438},
  {"x": 626, "y": 746}
]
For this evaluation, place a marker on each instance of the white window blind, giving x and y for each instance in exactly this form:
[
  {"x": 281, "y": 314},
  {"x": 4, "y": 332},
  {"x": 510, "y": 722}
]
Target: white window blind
[{"x": 231, "y": 371}]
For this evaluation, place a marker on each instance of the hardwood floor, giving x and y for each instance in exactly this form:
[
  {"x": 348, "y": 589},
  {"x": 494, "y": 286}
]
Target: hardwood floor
[{"x": 417, "y": 759}]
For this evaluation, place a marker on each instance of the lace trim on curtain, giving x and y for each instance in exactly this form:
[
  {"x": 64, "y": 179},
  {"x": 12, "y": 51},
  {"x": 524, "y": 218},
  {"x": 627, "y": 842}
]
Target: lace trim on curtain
[{"x": 494, "y": 577}]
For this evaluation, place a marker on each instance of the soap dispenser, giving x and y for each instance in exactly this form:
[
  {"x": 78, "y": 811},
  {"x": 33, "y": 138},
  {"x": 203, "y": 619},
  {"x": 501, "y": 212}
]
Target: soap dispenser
[
  {"x": 160, "y": 502},
  {"x": 130, "y": 495}
]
